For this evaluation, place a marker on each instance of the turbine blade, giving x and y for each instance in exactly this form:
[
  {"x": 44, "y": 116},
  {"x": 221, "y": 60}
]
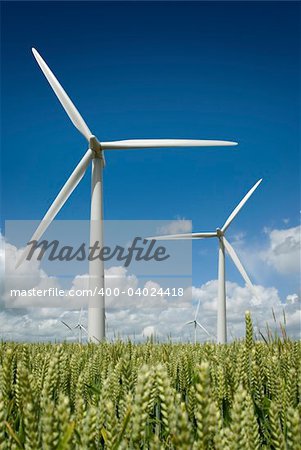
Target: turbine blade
[
  {"x": 60, "y": 200},
  {"x": 170, "y": 237},
  {"x": 239, "y": 266},
  {"x": 161, "y": 143},
  {"x": 66, "y": 103},
  {"x": 66, "y": 325},
  {"x": 197, "y": 309},
  {"x": 203, "y": 328},
  {"x": 187, "y": 323},
  {"x": 239, "y": 206}
]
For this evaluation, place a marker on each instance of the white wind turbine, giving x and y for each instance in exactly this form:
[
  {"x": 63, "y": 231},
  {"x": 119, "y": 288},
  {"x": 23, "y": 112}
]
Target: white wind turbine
[
  {"x": 95, "y": 155},
  {"x": 78, "y": 327},
  {"x": 223, "y": 244},
  {"x": 196, "y": 323}
]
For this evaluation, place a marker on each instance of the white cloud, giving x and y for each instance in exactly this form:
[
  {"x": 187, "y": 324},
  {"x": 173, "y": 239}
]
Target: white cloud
[
  {"x": 176, "y": 226},
  {"x": 139, "y": 316},
  {"x": 292, "y": 299},
  {"x": 283, "y": 253},
  {"x": 149, "y": 331},
  {"x": 27, "y": 277}
]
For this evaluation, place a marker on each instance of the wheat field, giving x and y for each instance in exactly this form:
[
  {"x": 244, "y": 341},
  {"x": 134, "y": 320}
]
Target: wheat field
[{"x": 121, "y": 395}]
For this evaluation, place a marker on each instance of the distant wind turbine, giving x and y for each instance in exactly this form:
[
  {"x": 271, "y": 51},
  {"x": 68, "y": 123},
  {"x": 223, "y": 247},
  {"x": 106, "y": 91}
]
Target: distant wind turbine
[
  {"x": 196, "y": 323},
  {"x": 95, "y": 155},
  {"x": 78, "y": 327},
  {"x": 223, "y": 244}
]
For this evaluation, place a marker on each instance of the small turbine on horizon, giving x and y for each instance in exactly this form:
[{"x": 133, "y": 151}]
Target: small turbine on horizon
[
  {"x": 95, "y": 156},
  {"x": 78, "y": 327},
  {"x": 196, "y": 323},
  {"x": 223, "y": 245}
]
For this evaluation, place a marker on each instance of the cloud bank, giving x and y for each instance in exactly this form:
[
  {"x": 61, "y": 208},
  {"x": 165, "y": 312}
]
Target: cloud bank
[{"x": 138, "y": 317}]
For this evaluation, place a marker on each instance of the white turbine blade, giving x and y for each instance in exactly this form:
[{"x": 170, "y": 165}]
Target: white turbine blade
[
  {"x": 187, "y": 323},
  {"x": 169, "y": 237},
  {"x": 66, "y": 325},
  {"x": 203, "y": 328},
  {"x": 239, "y": 265},
  {"x": 67, "y": 104},
  {"x": 197, "y": 309},
  {"x": 239, "y": 206},
  {"x": 60, "y": 200},
  {"x": 161, "y": 143}
]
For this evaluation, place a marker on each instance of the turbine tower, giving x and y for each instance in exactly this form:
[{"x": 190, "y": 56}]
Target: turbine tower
[
  {"x": 196, "y": 323},
  {"x": 95, "y": 155},
  {"x": 223, "y": 245}
]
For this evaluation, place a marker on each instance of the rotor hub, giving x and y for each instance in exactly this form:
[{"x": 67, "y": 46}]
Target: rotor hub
[
  {"x": 219, "y": 232},
  {"x": 94, "y": 144}
]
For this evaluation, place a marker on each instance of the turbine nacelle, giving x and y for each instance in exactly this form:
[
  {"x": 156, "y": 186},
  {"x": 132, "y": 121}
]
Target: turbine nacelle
[
  {"x": 219, "y": 233},
  {"x": 97, "y": 149},
  {"x": 94, "y": 144}
]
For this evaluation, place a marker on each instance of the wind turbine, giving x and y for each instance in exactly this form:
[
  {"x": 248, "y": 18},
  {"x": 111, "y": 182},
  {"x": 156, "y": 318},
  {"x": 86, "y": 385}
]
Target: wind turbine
[
  {"x": 95, "y": 155},
  {"x": 223, "y": 245},
  {"x": 196, "y": 323},
  {"x": 79, "y": 326}
]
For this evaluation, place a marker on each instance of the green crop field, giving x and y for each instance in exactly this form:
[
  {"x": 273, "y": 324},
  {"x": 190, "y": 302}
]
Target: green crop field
[{"x": 245, "y": 395}]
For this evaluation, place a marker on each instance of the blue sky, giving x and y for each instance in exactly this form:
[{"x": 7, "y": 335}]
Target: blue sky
[{"x": 196, "y": 70}]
